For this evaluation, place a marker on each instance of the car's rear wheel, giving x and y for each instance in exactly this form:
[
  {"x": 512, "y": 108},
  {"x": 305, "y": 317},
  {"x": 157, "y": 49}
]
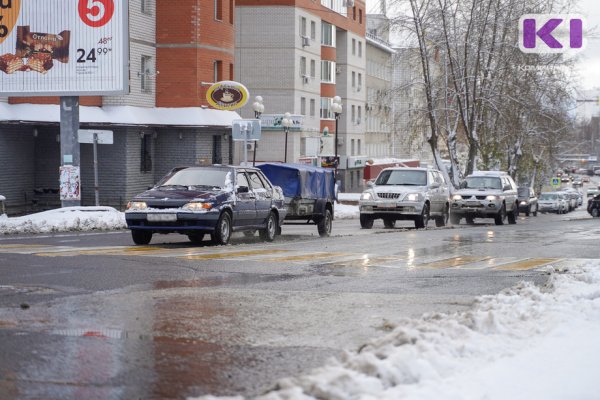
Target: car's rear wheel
[
  {"x": 536, "y": 211},
  {"x": 222, "y": 232},
  {"x": 366, "y": 221},
  {"x": 500, "y": 218},
  {"x": 141, "y": 237},
  {"x": 389, "y": 223},
  {"x": 470, "y": 220},
  {"x": 443, "y": 219},
  {"x": 196, "y": 238},
  {"x": 270, "y": 230},
  {"x": 513, "y": 216},
  {"x": 528, "y": 211},
  {"x": 422, "y": 221},
  {"x": 324, "y": 225},
  {"x": 595, "y": 212}
]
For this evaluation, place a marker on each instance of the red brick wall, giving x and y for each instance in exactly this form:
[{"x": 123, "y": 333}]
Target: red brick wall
[
  {"x": 83, "y": 101},
  {"x": 188, "y": 38}
]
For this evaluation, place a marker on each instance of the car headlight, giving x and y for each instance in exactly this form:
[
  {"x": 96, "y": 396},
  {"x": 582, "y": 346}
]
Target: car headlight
[
  {"x": 197, "y": 206},
  {"x": 137, "y": 205},
  {"x": 491, "y": 198},
  {"x": 413, "y": 197},
  {"x": 523, "y": 203},
  {"x": 457, "y": 197},
  {"x": 366, "y": 196}
]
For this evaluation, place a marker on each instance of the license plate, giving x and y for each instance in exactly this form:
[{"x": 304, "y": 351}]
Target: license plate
[
  {"x": 161, "y": 217},
  {"x": 473, "y": 203}
]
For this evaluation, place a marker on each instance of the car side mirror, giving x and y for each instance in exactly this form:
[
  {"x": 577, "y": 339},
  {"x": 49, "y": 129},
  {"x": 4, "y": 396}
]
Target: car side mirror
[
  {"x": 243, "y": 189},
  {"x": 370, "y": 184},
  {"x": 506, "y": 187}
]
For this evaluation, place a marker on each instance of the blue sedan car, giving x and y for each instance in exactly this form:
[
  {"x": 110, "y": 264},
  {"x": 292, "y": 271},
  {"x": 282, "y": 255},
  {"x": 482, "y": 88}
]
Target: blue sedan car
[{"x": 217, "y": 200}]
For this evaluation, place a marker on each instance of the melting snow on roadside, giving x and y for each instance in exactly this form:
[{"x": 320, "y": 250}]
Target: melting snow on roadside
[
  {"x": 524, "y": 343},
  {"x": 65, "y": 219}
]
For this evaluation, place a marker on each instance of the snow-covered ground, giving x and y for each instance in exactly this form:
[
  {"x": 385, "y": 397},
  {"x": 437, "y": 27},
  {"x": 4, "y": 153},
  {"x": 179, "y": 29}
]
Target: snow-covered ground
[
  {"x": 524, "y": 343},
  {"x": 64, "y": 219}
]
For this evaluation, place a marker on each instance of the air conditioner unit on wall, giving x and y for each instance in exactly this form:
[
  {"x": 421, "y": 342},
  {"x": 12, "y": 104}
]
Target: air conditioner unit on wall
[
  {"x": 250, "y": 146},
  {"x": 338, "y": 69},
  {"x": 340, "y": 142},
  {"x": 305, "y": 79},
  {"x": 305, "y": 41}
]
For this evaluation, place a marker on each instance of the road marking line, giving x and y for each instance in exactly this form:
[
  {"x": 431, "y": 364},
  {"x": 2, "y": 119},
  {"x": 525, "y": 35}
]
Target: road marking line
[
  {"x": 365, "y": 261},
  {"x": 233, "y": 254},
  {"x": 454, "y": 262},
  {"x": 526, "y": 264}
]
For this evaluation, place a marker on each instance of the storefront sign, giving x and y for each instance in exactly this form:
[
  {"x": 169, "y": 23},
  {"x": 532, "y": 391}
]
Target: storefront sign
[
  {"x": 227, "y": 95},
  {"x": 63, "y": 47},
  {"x": 275, "y": 121}
]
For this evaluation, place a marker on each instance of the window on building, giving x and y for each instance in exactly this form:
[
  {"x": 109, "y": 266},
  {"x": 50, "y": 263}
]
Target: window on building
[
  {"x": 353, "y": 47},
  {"x": 303, "y": 105},
  {"x": 353, "y": 113},
  {"x": 327, "y": 71},
  {"x": 145, "y": 72},
  {"x": 146, "y": 7},
  {"x": 302, "y": 26},
  {"x": 359, "y": 48},
  {"x": 231, "y": 8},
  {"x": 313, "y": 30},
  {"x": 230, "y": 71},
  {"x": 359, "y": 84},
  {"x": 146, "y": 156},
  {"x": 217, "y": 71},
  {"x": 354, "y": 13},
  {"x": 302, "y": 66},
  {"x": 312, "y": 107},
  {"x": 359, "y": 115},
  {"x": 219, "y": 10},
  {"x": 353, "y": 79},
  {"x": 313, "y": 68},
  {"x": 358, "y": 147},
  {"x": 327, "y": 34},
  {"x": 326, "y": 103},
  {"x": 352, "y": 147},
  {"x": 217, "y": 156},
  {"x": 360, "y": 15}
]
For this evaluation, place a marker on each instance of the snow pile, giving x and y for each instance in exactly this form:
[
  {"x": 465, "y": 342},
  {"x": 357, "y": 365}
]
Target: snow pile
[
  {"x": 65, "y": 219},
  {"x": 345, "y": 211},
  {"x": 524, "y": 343}
]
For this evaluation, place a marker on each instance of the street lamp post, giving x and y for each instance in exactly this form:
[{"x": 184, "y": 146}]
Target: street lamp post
[
  {"x": 286, "y": 122},
  {"x": 259, "y": 108},
  {"x": 336, "y": 108}
]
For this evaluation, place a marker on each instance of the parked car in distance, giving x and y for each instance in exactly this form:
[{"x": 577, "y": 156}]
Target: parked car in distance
[
  {"x": 216, "y": 199},
  {"x": 528, "y": 201},
  {"x": 486, "y": 194},
  {"x": 571, "y": 199},
  {"x": 552, "y": 202},
  {"x": 403, "y": 193},
  {"x": 592, "y": 193},
  {"x": 585, "y": 179}
]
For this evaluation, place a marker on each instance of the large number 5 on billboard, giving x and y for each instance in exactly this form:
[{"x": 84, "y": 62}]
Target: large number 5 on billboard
[{"x": 96, "y": 13}]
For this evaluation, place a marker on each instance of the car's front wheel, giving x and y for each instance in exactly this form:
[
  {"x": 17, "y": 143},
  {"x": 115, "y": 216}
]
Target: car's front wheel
[
  {"x": 422, "y": 220},
  {"x": 270, "y": 230},
  {"x": 222, "y": 232},
  {"x": 443, "y": 219},
  {"x": 196, "y": 238},
  {"x": 513, "y": 215},
  {"x": 500, "y": 218},
  {"x": 141, "y": 237},
  {"x": 366, "y": 221},
  {"x": 324, "y": 225},
  {"x": 595, "y": 212}
]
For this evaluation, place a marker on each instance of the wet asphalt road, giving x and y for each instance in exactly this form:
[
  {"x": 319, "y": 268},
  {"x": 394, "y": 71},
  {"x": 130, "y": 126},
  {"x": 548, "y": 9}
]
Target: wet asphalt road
[{"x": 92, "y": 316}]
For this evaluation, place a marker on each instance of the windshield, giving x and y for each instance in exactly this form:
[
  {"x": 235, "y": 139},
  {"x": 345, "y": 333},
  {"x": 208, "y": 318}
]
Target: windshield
[
  {"x": 196, "y": 177},
  {"x": 523, "y": 192},
  {"x": 482, "y": 182},
  {"x": 402, "y": 177},
  {"x": 548, "y": 196}
]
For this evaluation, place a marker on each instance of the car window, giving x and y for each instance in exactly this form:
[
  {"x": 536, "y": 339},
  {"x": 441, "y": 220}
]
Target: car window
[
  {"x": 483, "y": 182},
  {"x": 242, "y": 180},
  {"x": 196, "y": 177},
  {"x": 402, "y": 177},
  {"x": 439, "y": 178},
  {"x": 255, "y": 181}
]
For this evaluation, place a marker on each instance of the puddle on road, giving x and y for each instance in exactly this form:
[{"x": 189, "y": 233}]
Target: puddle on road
[{"x": 229, "y": 280}]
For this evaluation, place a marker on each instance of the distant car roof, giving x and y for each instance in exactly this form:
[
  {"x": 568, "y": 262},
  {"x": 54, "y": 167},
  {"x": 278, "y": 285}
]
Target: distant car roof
[
  {"x": 489, "y": 173},
  {"x": 410, "y": 168}
]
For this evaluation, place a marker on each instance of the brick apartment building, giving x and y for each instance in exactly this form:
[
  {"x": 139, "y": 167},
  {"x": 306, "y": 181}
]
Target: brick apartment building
[
  {"x": 164, "y": 120},
  {"x": 298, "y": 55}
]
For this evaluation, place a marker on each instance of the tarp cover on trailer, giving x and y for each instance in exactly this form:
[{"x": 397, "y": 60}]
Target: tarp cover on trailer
[{"x": 298, "y": 180}]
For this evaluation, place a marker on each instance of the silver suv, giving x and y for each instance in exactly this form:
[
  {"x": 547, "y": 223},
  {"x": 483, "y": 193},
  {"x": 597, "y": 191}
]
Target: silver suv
[
  {"x": 405, "y": 194},
  {"x": 486, "y": 194}
]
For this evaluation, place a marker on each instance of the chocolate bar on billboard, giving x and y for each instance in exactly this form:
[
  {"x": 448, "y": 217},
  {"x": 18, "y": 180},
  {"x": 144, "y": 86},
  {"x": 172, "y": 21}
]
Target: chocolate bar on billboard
[
  {"x": 10, "y": 63},
  {"x": 40, "y": 62},
  {"x": 56, "y": 45}
]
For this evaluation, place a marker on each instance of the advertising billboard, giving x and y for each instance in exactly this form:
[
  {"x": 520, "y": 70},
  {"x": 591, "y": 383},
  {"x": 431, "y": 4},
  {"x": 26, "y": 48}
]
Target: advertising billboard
[{"x": 63, "y": 47}]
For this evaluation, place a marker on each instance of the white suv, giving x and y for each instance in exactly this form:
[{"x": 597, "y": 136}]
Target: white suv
[
  {"x": 405, "y": 194},
  {"x": 486, "y": 194}
]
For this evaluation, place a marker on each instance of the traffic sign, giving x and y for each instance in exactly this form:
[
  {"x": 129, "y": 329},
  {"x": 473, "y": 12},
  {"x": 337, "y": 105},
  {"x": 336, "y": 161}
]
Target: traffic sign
[
  {"x": 555, "y": 182},
  {"x": 245, "y": 129}
]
